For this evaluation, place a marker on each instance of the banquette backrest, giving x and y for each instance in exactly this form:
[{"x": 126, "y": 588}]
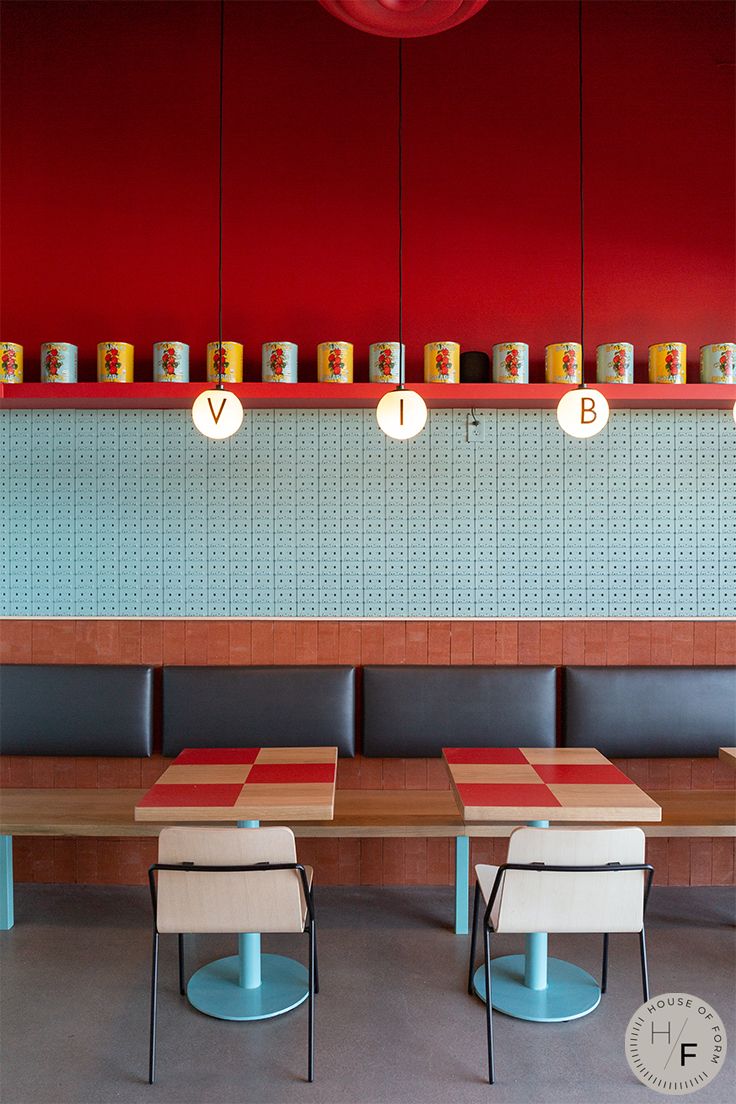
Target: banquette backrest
[
  {"x": 84, "y": 709},
  {"x": 259, "y": 707},
  {"x": 650, "y": 711},
  {"x": 416, "y": 711}
]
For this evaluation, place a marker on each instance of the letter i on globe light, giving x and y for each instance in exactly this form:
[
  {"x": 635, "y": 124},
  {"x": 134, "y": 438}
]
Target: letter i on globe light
[
  {"x": 401, "y": 414},
  {"x": 583, "y": 412}
]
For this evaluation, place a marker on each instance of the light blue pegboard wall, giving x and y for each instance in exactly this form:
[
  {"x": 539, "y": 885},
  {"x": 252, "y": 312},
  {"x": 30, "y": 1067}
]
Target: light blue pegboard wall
[{"x": 315, "y": 513}]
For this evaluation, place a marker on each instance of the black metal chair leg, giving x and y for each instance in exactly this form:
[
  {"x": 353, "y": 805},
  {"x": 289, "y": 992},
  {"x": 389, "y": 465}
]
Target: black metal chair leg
[
  {"x": 182, "y": 984},
  {"x": 489, "y": 1009},
  {"x": 154, "y": 986},
  {"x": 473, "y": 936},
  {"x": 604, "y": 970},
  {"x": 312, "y": 973},
  {"x": 316, "y": 965},
  {"x": 644, "y": 968}
]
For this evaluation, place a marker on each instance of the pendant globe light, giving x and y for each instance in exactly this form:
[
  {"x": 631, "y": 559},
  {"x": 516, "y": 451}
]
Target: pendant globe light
[
  {"x": 218, "y": 413},
  {"x": 584, "y": 411},
  {"x": 401, "y": 414}
]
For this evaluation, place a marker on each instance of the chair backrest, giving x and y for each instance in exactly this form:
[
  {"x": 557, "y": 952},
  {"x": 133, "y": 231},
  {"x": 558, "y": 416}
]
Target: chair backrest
[
  {"x": 198, "y": 901},
  {"x": 578, "y": 901}
]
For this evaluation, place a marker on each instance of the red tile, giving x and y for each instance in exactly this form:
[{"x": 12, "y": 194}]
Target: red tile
[
  {"x": 637, "y": 770},
  {"x": 43, "y": 859},
  {"x": 262, "y": 643},
  {"x": 573, "y": 642},
  {"x": 701, "y": 861},
  {"x": 372, "y": 647},
  {"x": 370, "y": 774},
  {"x": 724, "y": 776},
  {"x": 497, "y": 794},
  {"x": 348, "y": 861},
  {"x": 393, "y": 774},
  {"x": 42, "y": 771},
  {"x": 484, "y": 642},
  {"x": 656, "y": 855},
  {"x": 437, "y": 775},
  {"x": 240, "y": 643},
  {"x": 328, "y": 641},
  {"x": 108, "y": 641},
  {"x": 484, "y": 755},
  {"x": 415, "y": 861},
  {"x": 348, "y": 774},
  {"x": 724, "y": 856},
  {"x": 507, "y": 642},
  {"x": 152, "y": 642},
  {"x": 53, "y": 641},
  {"x": 85, "y": 650},
  {"x": 174, "y": 644},
  {"x": 65, "y": 860},
  {"x": 704, "y": 642},
  {"x": 218, "y": 643},
  {"x": 152, "y": 769},
  {"x": 678, "y": 861},
  {"x": 284, "y": 642},
  {"x": 726, "y": 642},
  {"x": 617, "y": 643},
  {"x": 659, "y": 774},
  {"x": 349, "y": 643},
  {"x": 415, "y": 774},
  {"x": 16, "y": 641},
  {"x": 85, "y": 772},
  {"x": 371, "y": 862},
  {"x": 681, "y": 774},
  {"x": 263, "y": 773},
  {"x": 117, "y": 773},
  {"x": 550, "y": 643},
  {"x": 661, "y": 643},
  {"x": 393, "y": 862},
  {"x": 87, "y": 860},
  {"x": 640, "y": 643},
  {"x": 703, "y": 774},
  {"x": 65, "y": 772},
  {"x": 129, "y": 638},
  {"x": 221, "y": 756},
  {"x": 20, "y": 770},
  {"x": 438, "y": 646},
  {"x": 439, "y": 865},
  {"x": 581, "y": 774},
  {"x": 306, "y": 642},
  {"x": 197, "y": 795},
  {"x": 596, "y": 651},
  {"x": 195, "y": 642},
  {"x": 417, "y": 642},
  {"x": 530, "y": 640},
  {"x": 683, "y": 643},
  {"x": 394, "y": 642},
  {"x": 461, "y": 642}
]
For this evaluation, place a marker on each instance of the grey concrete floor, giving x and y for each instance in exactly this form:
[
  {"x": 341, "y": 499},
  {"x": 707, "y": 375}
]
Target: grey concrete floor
[{"x": 394, "y": 1023}]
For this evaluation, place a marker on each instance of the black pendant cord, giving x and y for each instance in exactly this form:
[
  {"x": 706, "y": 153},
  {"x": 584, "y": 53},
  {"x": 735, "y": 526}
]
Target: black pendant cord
[
  {"x": 402, "y": 365},
  {"x": 582, "y": 195},
  {"x": 219, "y": 198}
]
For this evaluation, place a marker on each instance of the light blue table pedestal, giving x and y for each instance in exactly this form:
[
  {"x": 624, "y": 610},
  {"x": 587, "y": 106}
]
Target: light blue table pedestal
[
  {"x": 249, "y": 985},
  {"x": 7, "y": 918},
  {"x": 534, "y": 987}
]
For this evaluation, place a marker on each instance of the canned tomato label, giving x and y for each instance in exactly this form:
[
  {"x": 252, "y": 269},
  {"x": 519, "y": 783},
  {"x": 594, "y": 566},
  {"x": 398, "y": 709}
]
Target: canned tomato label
[
  {"x": 615, "y": 363},
  {"x": 11, "y": 362},
  {"x": 58, "y": 362},
  {"x": 384, "y": 362},
  {"x": 231, "y": 370},
  {"x": 279, "y": 362},
  {"x": 667, "y": 362},
  {"x": 171, "y": 362},
  {"x": 335, "y": 362},
  {"x": 717, "y": 363},
  {"x": 511, "y": 362},
  {"x": 563, "y": 363},
  {"x": 442, "y": 362},
  {"x": 115, "y": 362}
]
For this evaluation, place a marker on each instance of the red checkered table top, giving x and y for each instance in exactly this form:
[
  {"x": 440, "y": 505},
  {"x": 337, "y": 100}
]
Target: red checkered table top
[
  {"x": 561, "y": 784},
  {"x": 230, "y": 784}
]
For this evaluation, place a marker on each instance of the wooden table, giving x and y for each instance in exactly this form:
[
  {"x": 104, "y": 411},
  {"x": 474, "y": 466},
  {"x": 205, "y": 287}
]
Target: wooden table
[
  {"x": 244, "y": 786},
  {"x": 727, "y": 755},
  {"x": 539, "y": 785}
]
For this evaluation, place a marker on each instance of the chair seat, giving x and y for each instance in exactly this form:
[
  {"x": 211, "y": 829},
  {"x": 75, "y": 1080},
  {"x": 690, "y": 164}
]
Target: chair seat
[{"x": 486, "y": 876}]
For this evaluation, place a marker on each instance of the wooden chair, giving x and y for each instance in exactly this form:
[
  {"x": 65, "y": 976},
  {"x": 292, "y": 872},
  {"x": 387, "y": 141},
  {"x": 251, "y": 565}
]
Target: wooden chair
[
  {"x": 230, "y": 880},
  {"x": 562, "y": 880}
]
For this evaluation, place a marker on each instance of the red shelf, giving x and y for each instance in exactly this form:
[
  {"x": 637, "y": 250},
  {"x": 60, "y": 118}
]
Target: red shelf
[{"x": 330, "y": 396}]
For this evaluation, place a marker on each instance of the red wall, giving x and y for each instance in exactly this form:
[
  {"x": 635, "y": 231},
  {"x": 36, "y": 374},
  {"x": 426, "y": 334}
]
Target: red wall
[{"x": 110, "y": 161}]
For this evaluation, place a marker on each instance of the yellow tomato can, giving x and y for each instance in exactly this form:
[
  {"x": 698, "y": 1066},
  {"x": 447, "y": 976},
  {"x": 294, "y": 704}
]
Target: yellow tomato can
[
  {"x": 442, "y": 362},
  {"x": 11, "y": 362},
  {"x": 667, "y": 362},
  {"x": 232, "y": 362},
  {"x": 335, "y": 362},
  {"x": 114, "y": 362},
  {"x": 615, "y": 362},
  {"x": 718, "y": 363},
  {"x": 563, "y": 362}
]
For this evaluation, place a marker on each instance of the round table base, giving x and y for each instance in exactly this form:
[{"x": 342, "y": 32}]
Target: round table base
[
  {"x": 215, "y": 991},
  {"x": 570, "y": 992}
]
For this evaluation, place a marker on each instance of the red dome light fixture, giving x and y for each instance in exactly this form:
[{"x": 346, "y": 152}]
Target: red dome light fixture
[{"x": 403, "y": 18}]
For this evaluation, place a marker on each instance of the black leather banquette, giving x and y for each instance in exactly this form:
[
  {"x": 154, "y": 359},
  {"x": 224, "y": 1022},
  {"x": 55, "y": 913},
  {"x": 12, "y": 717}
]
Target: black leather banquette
[{"x": 55, "y": 709}]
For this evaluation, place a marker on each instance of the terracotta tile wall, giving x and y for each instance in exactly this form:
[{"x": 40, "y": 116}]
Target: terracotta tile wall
[{"x": 698, "y": 861}]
